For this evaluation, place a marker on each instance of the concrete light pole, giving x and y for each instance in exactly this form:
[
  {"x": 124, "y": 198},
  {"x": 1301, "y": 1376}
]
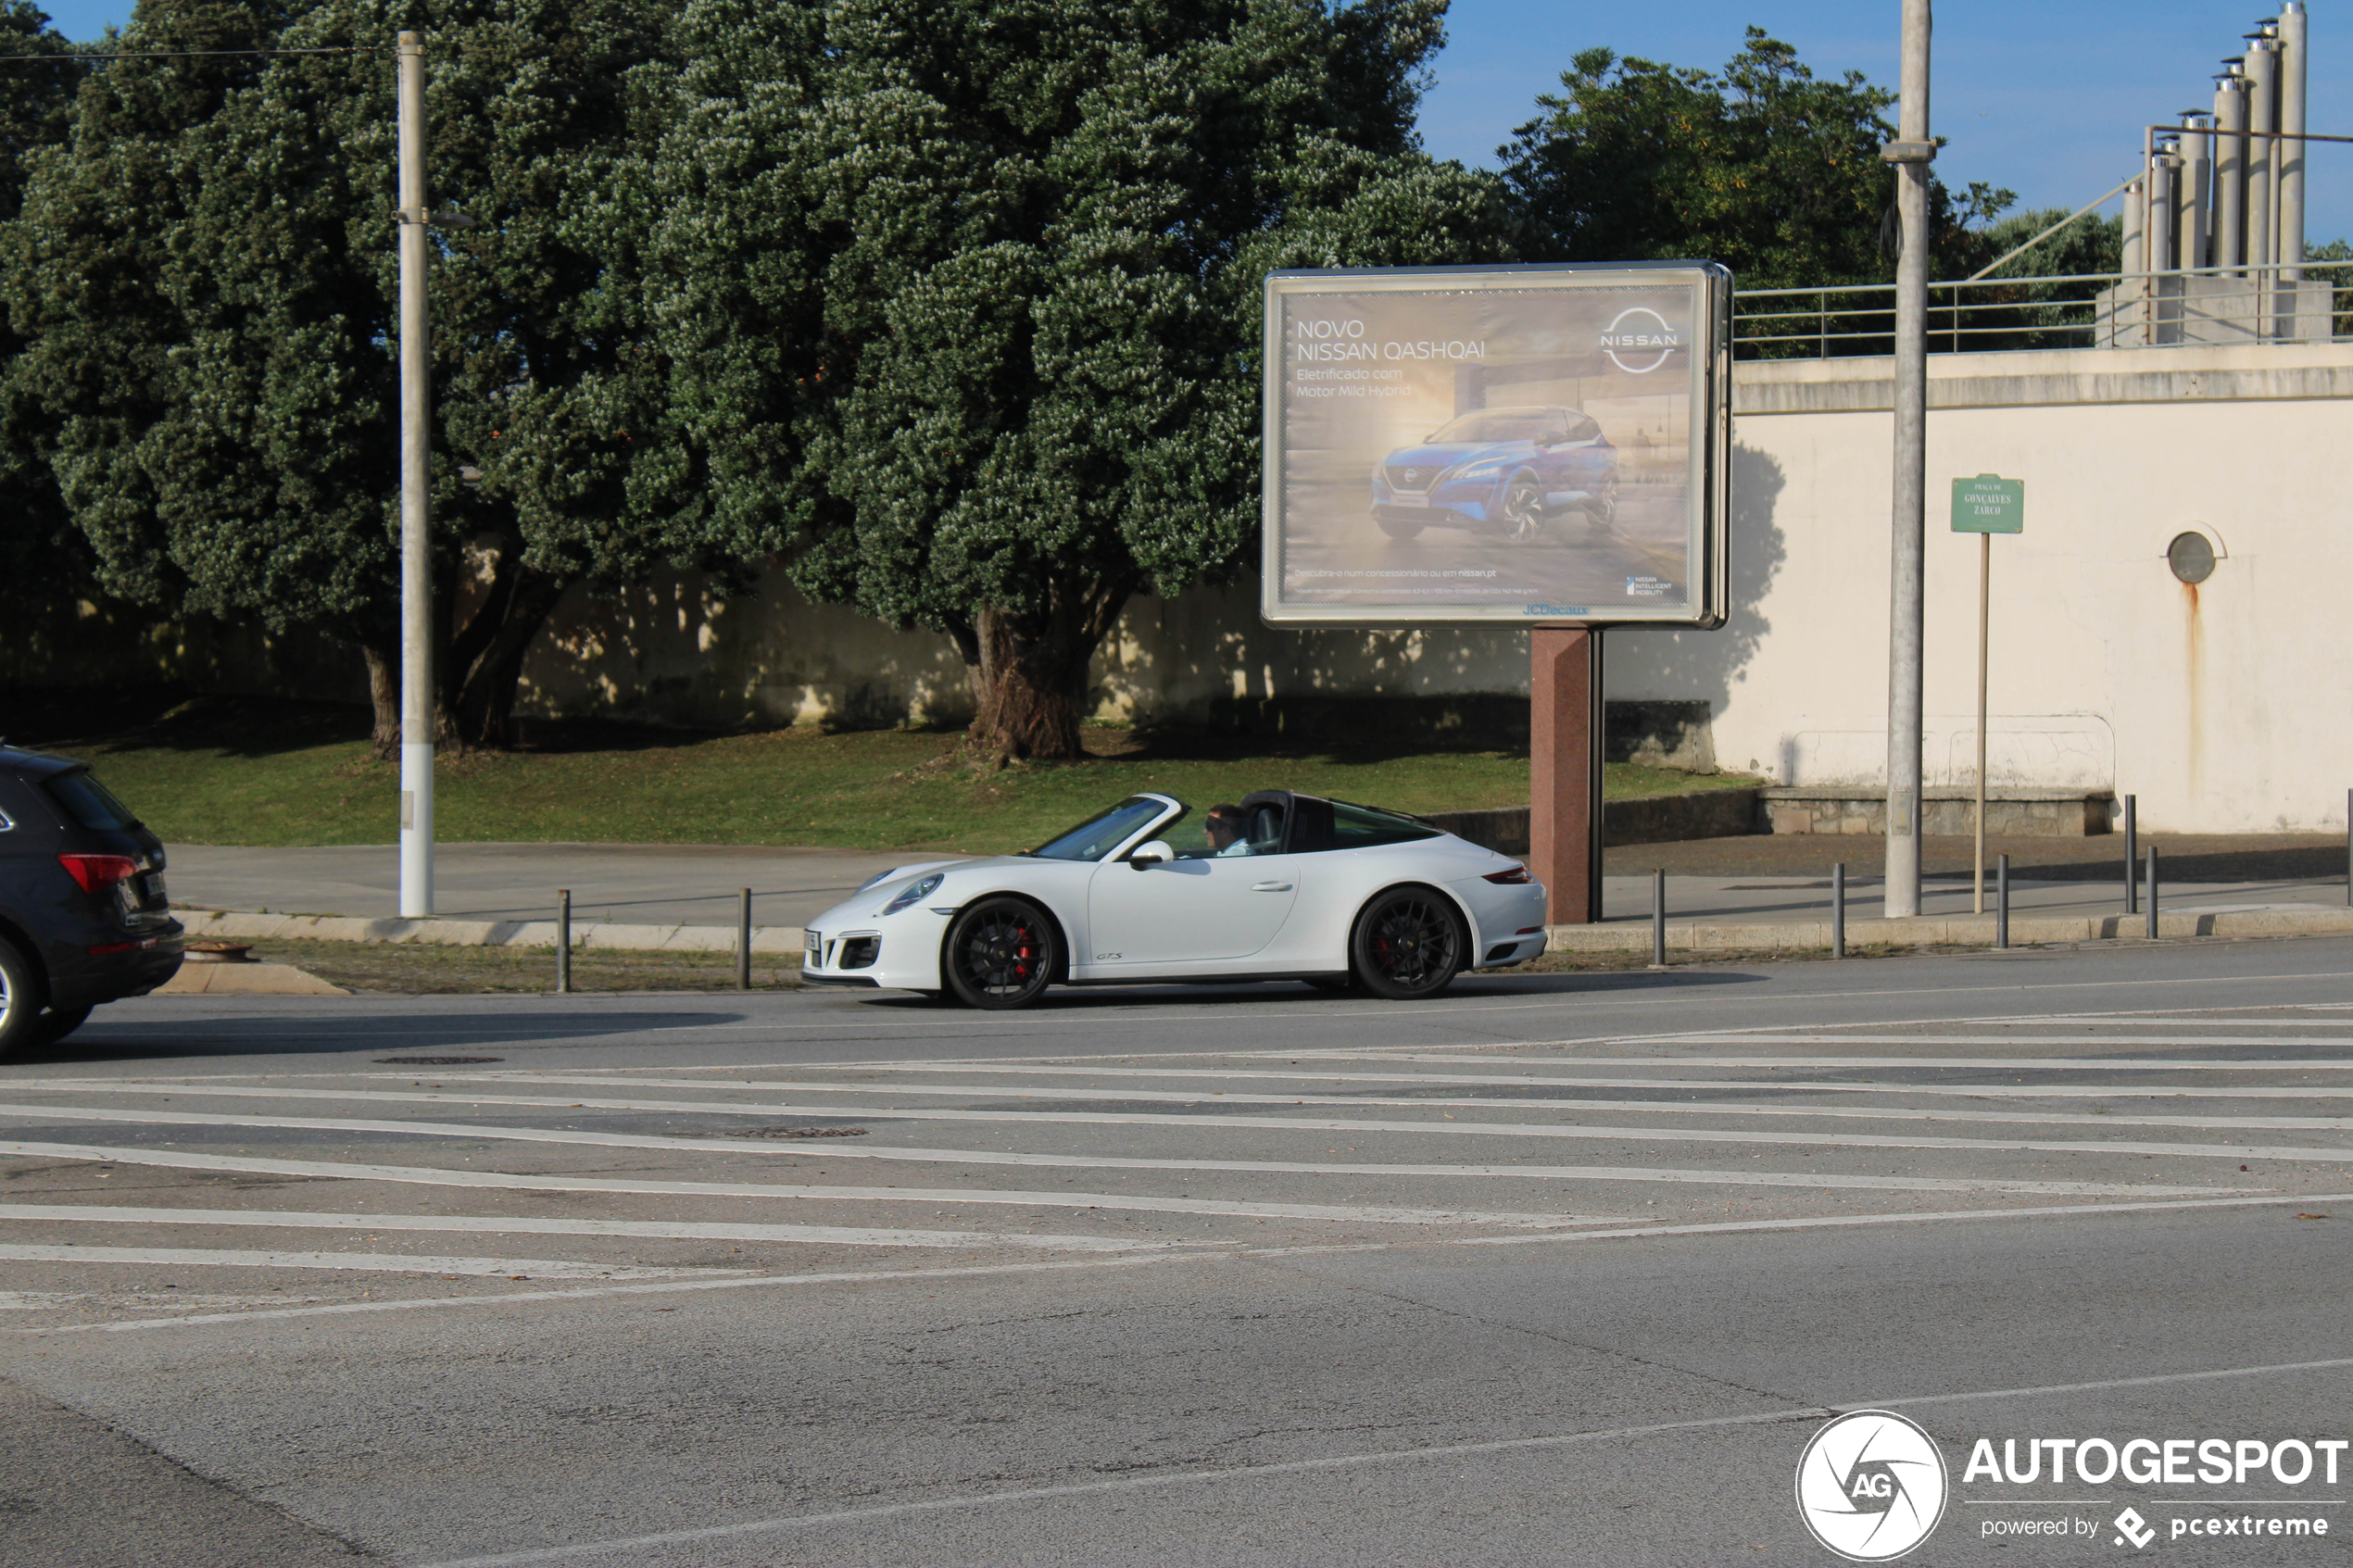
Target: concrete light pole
[
  {"x": 416, "y": 518},
  {"x": 1910, "y": 152}
]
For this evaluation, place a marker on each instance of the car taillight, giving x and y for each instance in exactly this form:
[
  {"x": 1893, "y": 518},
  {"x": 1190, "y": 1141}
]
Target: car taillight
[
  {"x": 1516, "y": 874},
  {"x": 98, "y": 872}
]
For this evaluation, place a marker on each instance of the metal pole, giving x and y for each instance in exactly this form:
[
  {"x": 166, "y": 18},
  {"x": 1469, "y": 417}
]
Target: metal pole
[
  {"x": 2002, "y": 902},
  {"x": 2151, "y": 898},
  {"x": 2348, "y": 847},
  {"x": 2230, "y": 170},
  {"x": 1596, "y": 754},
  {"x": 1910, "y": 154},
  {"x": 563, "y": 940},
  {"x": 416, "y": 518},
  {"x": 1659, "y": 918},
  {"x": 1984, "y": 601},
  {"x": 2132, "y": 854},
  {"x": 743, "y": 940},
  {"x": 1838, "y": 909}
]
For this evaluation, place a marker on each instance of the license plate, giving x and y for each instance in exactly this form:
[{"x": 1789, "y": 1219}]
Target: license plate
[
  {"x": 154, "y": 893},
  {"x": 1400, "y": 498}
]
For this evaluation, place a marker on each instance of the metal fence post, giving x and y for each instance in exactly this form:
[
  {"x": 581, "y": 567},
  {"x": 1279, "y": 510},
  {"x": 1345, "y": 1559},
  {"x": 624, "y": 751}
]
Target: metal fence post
[
  {"x": 1838, "y": 910},
  {"x": 743, "y": 940},
  {"x": 2002, "y": 901},
  {"x": 1659, "y": 918},
  {"x": 563, "y": 940},
  {"x": 2152, "y": 892},
  {"x": 2132, "y": 855}
]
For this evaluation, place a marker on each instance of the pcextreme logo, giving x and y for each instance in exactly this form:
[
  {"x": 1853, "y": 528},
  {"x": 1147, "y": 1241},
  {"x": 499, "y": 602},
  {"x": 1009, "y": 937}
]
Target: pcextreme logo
[{"x": 1871, "y": 1485}]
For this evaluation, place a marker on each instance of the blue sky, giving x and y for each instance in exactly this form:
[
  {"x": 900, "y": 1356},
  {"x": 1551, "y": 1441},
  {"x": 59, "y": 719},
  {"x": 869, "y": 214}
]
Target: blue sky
[{"x": 2045, "y": 96}]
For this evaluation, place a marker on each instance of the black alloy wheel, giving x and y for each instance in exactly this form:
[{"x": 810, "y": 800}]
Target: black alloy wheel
[
  {"x": 23, "y": 995},
  {"x": 1524, "y": 510},
  {"x": 1000, "y": 953},
  {"x": 1408, "y": 943}
]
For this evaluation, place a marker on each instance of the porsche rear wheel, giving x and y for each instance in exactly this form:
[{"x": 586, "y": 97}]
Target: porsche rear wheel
[
  {"x": 1001, "y": 954},
  {"x": 1408, "y": 944}
]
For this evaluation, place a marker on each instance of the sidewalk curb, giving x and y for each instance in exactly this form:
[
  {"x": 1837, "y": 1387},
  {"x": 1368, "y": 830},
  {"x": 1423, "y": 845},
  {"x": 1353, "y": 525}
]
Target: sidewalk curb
[
  {"x": 206, "y": 923},
  {"x": 1944, "y": 930}
]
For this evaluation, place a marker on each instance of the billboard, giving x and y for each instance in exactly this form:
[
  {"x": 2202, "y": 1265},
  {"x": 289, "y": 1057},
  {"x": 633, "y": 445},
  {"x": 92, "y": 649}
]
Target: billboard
[{"x": 1541, "y": 444}]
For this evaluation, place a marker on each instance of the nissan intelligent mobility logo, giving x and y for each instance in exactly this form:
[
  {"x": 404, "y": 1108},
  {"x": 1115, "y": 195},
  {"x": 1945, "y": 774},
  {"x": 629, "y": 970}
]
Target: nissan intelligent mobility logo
[
  {"x": 1871, "y": 1485},
  {"x": 1640, "y": 331}
]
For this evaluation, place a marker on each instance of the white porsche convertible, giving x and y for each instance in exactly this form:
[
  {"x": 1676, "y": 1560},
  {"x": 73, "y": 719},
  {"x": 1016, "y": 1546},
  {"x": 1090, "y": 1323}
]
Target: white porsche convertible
[{"x": 1282, "y": 888}]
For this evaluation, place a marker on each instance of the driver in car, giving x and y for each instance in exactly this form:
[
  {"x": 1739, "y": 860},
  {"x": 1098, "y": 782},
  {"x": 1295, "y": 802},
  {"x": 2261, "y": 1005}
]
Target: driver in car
[{"x": 1228, "y": 830}]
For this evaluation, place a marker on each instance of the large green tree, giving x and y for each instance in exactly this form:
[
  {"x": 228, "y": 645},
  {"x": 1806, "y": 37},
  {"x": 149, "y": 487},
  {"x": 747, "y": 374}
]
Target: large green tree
[
  {"x": 967, "y": 292},
  {"x": 38, "y": 553},
  {"x": 212, "y": 272},
  {"x": 1764, "y": 167}
]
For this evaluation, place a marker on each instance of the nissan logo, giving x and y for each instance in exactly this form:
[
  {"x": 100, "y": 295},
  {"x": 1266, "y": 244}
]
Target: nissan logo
[
  {"x": 1639, "y": 338},
  {"x": 1411, "y": 476}
]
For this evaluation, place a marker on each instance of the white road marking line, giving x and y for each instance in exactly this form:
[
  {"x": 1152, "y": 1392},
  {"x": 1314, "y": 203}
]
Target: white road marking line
[
  {"x": 1178, "y": 1096},
  {"x": 2019, "y": 1064},
  {"x": 865, "y": 1276},
  {"x": 131, "y": 1154},
  {"x": 2199, "y": 1042},
  {"x": 39, "y": 1113},
  {"x": 664, "y": 1230},
  {"x": 379, "y": 1262},
  {"x": 2080, "y": 1091},
  {"x": 641, "y": 1544}
]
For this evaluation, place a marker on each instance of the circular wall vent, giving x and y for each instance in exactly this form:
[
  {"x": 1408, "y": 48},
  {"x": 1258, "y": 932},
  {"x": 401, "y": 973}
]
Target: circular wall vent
[{"x": 2191, "y": 554}]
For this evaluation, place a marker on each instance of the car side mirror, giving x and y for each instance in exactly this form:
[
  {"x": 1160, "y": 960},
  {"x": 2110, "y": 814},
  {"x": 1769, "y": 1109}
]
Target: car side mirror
[{"x": 1146, "y": 856}]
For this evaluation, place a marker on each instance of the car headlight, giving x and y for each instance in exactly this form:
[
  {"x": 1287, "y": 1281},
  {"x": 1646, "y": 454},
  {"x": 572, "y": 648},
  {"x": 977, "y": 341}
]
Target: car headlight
[
  {"x": 914, "y": 892},
  {"x": 880, "y": 876},
  {"x": 1487, "y": 469}
]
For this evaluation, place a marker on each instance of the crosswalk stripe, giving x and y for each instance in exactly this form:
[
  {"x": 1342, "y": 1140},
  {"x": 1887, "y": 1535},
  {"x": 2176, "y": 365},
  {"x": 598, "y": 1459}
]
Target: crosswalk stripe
[
  {"x": 1448, "y": 1103},
  {"x": 1151, "y": 1119},
  {"x": 664, "y": 1230},
  {"x": 131, "y": 1154},
  {"x": 2016, "y": 1063},
  {"x": 382, "y": 1263}
]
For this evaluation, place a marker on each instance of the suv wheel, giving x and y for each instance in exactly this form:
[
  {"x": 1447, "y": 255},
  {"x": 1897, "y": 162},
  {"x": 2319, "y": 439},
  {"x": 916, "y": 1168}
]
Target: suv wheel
[{"x": 23, "y": 995}]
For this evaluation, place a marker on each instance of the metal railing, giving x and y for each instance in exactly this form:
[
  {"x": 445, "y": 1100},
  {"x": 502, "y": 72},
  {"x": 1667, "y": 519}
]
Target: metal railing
[{"x": 2310, "y": 302}]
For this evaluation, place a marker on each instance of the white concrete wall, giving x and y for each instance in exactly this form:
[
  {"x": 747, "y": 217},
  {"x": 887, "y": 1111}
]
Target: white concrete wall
[{"x": 2224, "y": 708}]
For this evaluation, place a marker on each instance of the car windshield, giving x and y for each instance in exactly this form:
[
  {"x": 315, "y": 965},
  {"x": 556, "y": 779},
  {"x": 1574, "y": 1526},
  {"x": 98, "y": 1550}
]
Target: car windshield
[
  {"x": 1501, "y": 424},
  {"x": 1100, "y": 834},
  {"x": 89, "y": 802}
]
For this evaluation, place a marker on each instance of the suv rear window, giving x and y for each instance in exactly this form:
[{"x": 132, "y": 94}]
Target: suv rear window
[{"x": 89, "y": 802}]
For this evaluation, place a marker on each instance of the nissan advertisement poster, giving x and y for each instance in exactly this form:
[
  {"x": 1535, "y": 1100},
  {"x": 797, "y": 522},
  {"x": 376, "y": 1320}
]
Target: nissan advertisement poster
[{"x": 1545, "y": 444}]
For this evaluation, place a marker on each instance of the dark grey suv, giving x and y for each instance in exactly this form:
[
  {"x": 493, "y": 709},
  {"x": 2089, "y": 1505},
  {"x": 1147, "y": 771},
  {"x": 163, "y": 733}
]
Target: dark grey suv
[{"x": 83, "y": 917}]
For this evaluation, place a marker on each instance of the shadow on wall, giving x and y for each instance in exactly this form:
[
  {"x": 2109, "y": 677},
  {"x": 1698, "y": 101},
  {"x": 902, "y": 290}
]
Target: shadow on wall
[
  {"x": 109, "y": 643},
  {"x": 1708, "y": 666}
]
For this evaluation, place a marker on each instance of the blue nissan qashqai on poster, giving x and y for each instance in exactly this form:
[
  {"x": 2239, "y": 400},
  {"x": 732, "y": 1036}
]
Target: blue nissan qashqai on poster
[{"x": 1500, "y": 470}]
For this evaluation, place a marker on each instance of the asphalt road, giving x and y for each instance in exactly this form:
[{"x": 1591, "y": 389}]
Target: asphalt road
[{"x": 1561, "y": 1268}]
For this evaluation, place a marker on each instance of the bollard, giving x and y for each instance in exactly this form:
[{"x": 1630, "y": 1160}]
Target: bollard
[
  {"x": 2002, "y": 901},
  {"x": 2348, "y": 847},
  {"x": 1659, "y": 918},
  {"x": 743, "y": 940},
  {"x": 564, "y": 941},
  {"x": 2152, "y": 893},
  {"x": 2132, "y": 855},
  {"x": 1838, "y": 910}
]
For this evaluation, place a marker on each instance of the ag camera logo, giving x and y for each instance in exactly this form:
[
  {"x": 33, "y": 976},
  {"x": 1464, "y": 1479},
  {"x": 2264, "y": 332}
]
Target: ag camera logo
[
  {"x": 1871, "y": 1485},
  {"x": 1638, "y": 338}
]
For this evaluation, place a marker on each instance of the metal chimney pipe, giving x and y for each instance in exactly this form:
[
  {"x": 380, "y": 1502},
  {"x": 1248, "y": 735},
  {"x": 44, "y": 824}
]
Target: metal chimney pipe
[
  {"x": 2162, "y": 228},
  {"x": 2130, "y": 324},
  {"x": 2230, "y": 170},
  {"x": 2194, "y": 193},
  {"x": 2292, "y": 73},
  {"x": 2262, "y": 115}
]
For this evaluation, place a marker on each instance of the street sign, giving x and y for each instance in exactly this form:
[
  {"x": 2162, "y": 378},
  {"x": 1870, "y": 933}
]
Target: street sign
[{"x": 1989, "y": 504}]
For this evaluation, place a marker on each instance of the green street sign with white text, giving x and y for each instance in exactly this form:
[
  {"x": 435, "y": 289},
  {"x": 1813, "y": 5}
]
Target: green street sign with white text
[{"x": 1989, "y": 504}]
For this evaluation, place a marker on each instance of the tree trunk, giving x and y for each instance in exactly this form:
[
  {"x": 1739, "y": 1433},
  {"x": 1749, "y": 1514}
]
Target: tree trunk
[
  {"x": 383, "y": 697},
  {"x": 1030, "y": 670},
  {"x": 481, "y": 709}
]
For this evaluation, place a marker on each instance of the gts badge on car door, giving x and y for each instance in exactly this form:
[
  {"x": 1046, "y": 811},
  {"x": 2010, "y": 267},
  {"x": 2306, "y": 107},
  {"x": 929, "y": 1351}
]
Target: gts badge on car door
[{"x": 1107, "y": 957}]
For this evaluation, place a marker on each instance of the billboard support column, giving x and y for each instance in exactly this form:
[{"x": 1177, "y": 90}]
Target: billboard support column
[{"x": 1565, "y": 741}]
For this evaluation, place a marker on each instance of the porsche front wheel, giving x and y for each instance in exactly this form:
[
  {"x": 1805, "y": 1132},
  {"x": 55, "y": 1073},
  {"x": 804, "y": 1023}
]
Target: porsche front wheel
[
  {"x": 1408, "y": 944},
  {"x": 1000, "y": 953}
]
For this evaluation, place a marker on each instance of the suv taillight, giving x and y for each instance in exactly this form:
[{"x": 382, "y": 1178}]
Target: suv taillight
[
  {"x": 98, "y": 872},
  {"x": 1517, "y": 873}
]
